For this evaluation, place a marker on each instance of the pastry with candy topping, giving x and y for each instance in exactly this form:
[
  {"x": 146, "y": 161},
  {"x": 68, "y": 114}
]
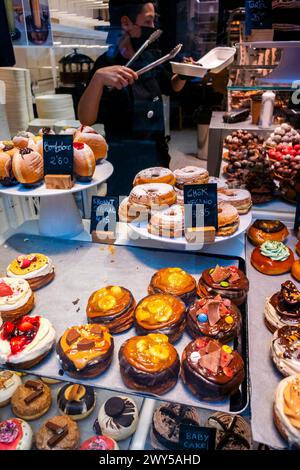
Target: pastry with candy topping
[
  {"x": 166, "y": 422},
  {"x": 31, "y": 400},
  {"x": 283, "y": 308},
  {"x": 118, "y": 418},
  {"x": 210, "y": 370},
  {"x": 285, "y": 350},
  {"x": 15, "y": 434},
  {"x": 27, "y": 342},
  {"x": 227, "y": 281},
  {"x": 149, "y": 364},
  {"x": 99, "y": 443},
  {"x": 272, "y": 258},
  {"x": 267, "y": 230},
  {"x": 161, "y": 313},
  {"x": 113, "y": 307},
  {"x": 16, "y": 299},
  {"x": 85, "y": 351},
  {"x": 76, "y": 401},
  {"x": 233, "y": 432},
  {"x": 58, "y": 433},
  {"x": 9, "y": 382},
  {"x": 286, "y": 410},
  {"x": 37, "y": 269},
  {"x": 174, "y": 281},
  {"x": 216, "y": 317}
]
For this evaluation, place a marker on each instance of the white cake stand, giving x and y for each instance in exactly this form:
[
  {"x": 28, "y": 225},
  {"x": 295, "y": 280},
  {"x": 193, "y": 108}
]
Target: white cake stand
[{"x": 59, "y": 215}]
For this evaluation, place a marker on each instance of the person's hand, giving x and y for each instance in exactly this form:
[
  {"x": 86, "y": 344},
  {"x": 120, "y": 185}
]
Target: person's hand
[{"x": 116, "y": 76}]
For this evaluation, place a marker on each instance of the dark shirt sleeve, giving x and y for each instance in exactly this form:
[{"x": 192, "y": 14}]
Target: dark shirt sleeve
[
  {"x": 165, "y": 79},
  {"x": 102, "y": 61}
]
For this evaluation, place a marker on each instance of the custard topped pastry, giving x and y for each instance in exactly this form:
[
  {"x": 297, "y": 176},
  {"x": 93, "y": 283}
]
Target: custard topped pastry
[
  {"x": 161, "y": 313},
  {"x": 283, "y": 308},
  {"x": 85, "y": 350},
  {"x": 112, "y": 306},
  {"x": 16, "y": 298},
  {"x": 287, "y": 409},
  {"x": 36, "y": 268},
  {"x": 149, "y": 363},
  {"x": 174, "y": 281}
]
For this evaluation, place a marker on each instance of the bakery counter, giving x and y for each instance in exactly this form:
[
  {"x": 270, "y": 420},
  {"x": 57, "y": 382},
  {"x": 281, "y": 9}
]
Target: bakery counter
[
  {"x": 265, "y": 376},
  {"x": 92, "y": 406},
  {"x": 83, "y": 268}
]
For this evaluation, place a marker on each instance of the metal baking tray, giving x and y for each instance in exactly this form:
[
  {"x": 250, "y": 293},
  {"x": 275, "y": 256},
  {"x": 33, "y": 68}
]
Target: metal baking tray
[
  {"x": 82, "y": 268},
  {"x": 85, "y": 425}
]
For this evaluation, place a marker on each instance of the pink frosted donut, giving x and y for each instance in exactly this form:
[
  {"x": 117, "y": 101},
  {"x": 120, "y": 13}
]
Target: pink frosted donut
[
  {"x": 153, "y": 194},
  {"x": 191, "y": 175},
  {"x": 168, "y": 222}
]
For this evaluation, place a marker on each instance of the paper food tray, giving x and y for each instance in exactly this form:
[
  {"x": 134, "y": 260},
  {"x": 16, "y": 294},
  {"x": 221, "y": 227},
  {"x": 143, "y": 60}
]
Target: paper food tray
[{"x": 214, "y": 61}]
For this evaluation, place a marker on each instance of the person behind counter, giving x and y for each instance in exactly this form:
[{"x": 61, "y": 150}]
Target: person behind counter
[{"x": 130, "y": 107}]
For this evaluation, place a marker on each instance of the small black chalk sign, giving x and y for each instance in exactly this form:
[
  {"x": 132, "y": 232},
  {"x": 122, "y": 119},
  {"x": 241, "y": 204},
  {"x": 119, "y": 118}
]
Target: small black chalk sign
[
  {"x": 196, "y": 438},
  {"x": 258, "y": 15},
  {"x": 297, "y": 216},
  {"x": 201, "y": 205},
  {"x": 104, "y": 215},
  {"x": 58, "y": 154}
]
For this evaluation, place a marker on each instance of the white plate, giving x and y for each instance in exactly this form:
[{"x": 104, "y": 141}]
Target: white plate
[
  {"x": 214, "y": 61},
  {"x": 140, "y": 228}
]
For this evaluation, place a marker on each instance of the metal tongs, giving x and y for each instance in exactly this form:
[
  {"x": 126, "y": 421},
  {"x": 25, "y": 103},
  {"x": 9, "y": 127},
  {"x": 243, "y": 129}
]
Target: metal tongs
[
  {"x": 160, "y": 61},
  {"x": 154, "y": 36}
]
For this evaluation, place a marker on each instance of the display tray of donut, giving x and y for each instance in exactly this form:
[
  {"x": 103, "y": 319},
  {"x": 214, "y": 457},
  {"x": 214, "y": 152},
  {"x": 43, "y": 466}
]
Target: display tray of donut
[
  {"x": 21, "y": 159},
  {"x": 164, "y": 324},
  {"x": 155, "y": 206},
  {"x": 273, "y": 267},
  {"x": 42, "y": 414}
]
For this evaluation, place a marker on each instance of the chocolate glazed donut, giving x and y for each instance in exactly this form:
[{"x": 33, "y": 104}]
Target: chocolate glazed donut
[
  {"x": 157, "y": 383},
  {"x": 236, "y": 292},
  {"x": 92, "y": 369}
]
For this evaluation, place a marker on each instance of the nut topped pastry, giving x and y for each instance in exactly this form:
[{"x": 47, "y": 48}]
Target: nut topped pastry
[
  {"x": 36, "y": 268},
  {"x": 283, "y": 308},
  {"x": 211, "y": 371},
  {"x": 287, "y": 409},
  {"x": 228, "y": 281},
  {"x": 216, "y": 317},
  {"x": 174, "y": 281},
  {"x": 149, "y": 363},
  {"x": 113, "y": 307},
  {"x": 285, "y": 350},
  {"x": 85, "y": 351},
  {"x": 161, "y": 313}
]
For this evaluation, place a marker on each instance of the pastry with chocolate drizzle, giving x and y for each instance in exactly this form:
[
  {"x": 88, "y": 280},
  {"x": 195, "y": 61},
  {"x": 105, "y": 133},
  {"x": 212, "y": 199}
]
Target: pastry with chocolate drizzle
[
  {"x": 283, "y": 308},
  {"x": 118, "y": 418},
  {"x": 76, "y": 401},
  {"x": 233, "y": 432},
  {"x": 285, "y": 350}
]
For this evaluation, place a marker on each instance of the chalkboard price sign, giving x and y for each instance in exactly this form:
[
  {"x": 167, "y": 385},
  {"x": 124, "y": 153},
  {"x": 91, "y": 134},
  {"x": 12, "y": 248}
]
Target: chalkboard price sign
[
  {"x": 258, "y": 15},
  {"x": 58, "y": 154},
  {"x": 201, "y": 205},
  {"x": 196, "y": 438},
  {"x": 104, "y": 215},
  {"x": 297, "y": 217}
]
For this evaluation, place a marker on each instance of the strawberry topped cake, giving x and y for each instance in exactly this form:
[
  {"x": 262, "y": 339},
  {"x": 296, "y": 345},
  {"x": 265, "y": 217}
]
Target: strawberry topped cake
[
  {"x": 27, "y": 342},
  {"x": 16, "y": 298},
  {"x": 36, "y": 268}
]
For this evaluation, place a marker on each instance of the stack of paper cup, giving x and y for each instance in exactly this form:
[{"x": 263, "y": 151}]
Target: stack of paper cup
[{"x": 55, "y": 107}]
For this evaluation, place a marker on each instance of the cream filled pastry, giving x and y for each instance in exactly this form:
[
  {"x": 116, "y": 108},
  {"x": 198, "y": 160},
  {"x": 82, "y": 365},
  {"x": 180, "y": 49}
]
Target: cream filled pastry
[
  {"x": 16, "y": 298},
  {"x": 27, "y": 342},
  {"x": 287, "y": 409},
  {"x": 272, "y": 258},
  {"x": 36, "y": 268},
  {"x": 9, "y": 382},
  {"x": 285, "y": 350},
  {"x": 118, "y": 418},
  {"x": 283, "y": 308}
]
